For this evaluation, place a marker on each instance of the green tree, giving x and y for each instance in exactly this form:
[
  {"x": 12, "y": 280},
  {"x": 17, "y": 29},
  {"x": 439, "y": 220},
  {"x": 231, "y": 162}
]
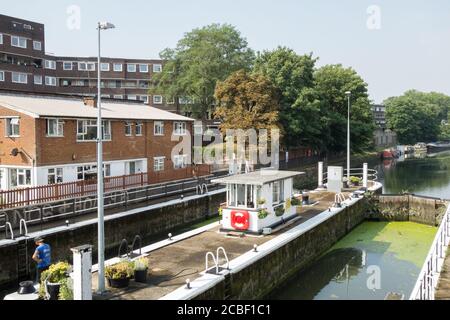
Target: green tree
[
  {"x": 417, "y": 116},
  {"x": 330, "y": 84},
  {"x": 293, "y": 76},
  {"x": 247, "y": 101},
  {"x": 201, "y": 58}
]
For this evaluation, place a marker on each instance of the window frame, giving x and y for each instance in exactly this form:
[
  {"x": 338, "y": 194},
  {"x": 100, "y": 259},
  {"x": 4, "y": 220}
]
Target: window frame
[
  {"x": 37, "y": 76},
  {"x": 20, "y": 74},
  {"x": 157, "y": 68},
  {"x": 18, "y": 42},
  {"x": 20, "y": 172},
  {"x": 1, "y": 38},
  {"x": 59, "y": 126},
  {"x": 140, "y": 125},
  {"x": 50, "y": 84},
  {"x": 103, "y": 64},
  {"x": 146, "y": 68},
  {"x": 50, "y": 64},
  {"x": 57, "y": 174},
  {"x": 129, "y": 65},
  {"x": 64, "y": 65},
  {"x": 183, "y": 163},
  {"x": 158, "y": 164},
  {"x": 158, "y": 124},
  {"x": 35, "y": 42},
  {"x": 86, "y": 63},
  {"x": 118, "y": 64},
  {"x": 9, "y": 127},
  {"x": 183, "y": 130},
  {"x": 158, "y": 102},
  {"x": 128, "y": 128},
  {"x": 89, "y": 123},
  {"x": 2, "y": 78}
]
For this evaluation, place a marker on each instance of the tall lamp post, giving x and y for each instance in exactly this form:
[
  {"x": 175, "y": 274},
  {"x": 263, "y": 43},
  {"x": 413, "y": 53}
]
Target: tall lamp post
[
  {"x": 348, "y": 94},
  {"x": 100, "y": 204}
]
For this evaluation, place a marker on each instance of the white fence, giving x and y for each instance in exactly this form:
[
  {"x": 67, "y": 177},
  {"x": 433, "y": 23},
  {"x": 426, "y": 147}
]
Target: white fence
[{"x": 429, "y": 275}]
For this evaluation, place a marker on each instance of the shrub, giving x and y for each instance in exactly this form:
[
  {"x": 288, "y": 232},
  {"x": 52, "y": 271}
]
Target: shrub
[
  {"x": 262, "y": 214},
  {"x": 141, "y": 264},
  {"x": 355, "y": 180},
  {"x": 295, "y": 201},
  {"x": 279, "y": 211},
  {"x": 66, "y": 289},
  {"x": 121, "y": 270},
  {"x": 56, "y": 273}
]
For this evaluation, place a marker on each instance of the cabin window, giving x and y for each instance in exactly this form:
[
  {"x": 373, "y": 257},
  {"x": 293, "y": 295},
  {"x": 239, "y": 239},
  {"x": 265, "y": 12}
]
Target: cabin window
[{"x": 277, "y": 192}]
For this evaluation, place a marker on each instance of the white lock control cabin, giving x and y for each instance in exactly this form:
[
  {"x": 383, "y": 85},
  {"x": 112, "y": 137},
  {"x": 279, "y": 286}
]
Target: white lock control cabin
[{"x": 258, "y": 200}]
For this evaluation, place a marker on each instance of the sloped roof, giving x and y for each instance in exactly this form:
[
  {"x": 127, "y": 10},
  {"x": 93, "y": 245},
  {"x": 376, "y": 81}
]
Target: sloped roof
[
  {"x": 69, "y": 107},
  {"x": 258, "y": 177}
]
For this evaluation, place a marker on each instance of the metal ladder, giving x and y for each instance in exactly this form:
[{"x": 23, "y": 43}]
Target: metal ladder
[
  {"x": 227, "y": 292},
  {"x": 23, "y": 265}
]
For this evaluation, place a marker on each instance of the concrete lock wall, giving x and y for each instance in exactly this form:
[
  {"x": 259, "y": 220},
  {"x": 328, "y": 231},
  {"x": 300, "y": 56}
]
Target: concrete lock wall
[
  {"x": 409, "y": 207},
  {"x": 148, "y": 224},
  {"x": 261, "y": 277}
]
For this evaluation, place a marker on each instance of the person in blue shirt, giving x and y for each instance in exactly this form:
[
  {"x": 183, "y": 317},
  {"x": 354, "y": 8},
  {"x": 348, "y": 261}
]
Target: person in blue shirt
[{"x": 42, "y": 256}]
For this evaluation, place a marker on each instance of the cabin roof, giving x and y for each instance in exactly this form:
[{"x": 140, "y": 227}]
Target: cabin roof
[{"x": 258, "y": 178}]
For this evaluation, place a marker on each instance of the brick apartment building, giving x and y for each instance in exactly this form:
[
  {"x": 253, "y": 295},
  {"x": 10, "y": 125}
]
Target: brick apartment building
[
  {"x": 383, "y": 137},
  {"x": 25, "y": 66},
  {"x": 52, "y": 139}
]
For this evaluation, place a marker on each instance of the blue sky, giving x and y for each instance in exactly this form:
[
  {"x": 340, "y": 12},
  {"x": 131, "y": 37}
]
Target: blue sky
[{"x": 411, "y": 49}]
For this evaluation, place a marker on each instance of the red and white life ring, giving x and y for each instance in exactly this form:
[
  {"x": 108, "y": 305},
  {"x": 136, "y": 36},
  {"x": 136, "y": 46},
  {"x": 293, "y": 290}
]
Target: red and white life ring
[{"x": 240, "y": 220}]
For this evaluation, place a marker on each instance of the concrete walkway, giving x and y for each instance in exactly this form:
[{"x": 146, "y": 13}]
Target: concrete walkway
[
  {"x": 170, "y": 266},
  {"x": 443, "y": 289}
]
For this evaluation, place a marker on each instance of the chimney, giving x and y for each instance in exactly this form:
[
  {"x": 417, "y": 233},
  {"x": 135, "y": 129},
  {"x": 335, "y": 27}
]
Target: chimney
[{"x": 90, "y": 102}]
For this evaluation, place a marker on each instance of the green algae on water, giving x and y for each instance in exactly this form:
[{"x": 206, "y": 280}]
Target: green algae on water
[{"x": 407, "y": 241}]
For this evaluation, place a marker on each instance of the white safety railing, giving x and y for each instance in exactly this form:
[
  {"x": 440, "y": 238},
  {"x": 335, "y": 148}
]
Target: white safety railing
[{"x": 429, "y": 275}]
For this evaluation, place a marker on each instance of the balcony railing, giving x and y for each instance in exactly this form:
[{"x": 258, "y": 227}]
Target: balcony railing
[{"x": 48, "y": 193}]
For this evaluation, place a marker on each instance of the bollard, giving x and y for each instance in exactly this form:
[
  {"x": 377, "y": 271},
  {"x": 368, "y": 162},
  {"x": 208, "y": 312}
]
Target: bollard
[
  {"x": 365, "y": 174},
  {"x": 320, "y": 176},
  {"x": 82, "y": 272}
]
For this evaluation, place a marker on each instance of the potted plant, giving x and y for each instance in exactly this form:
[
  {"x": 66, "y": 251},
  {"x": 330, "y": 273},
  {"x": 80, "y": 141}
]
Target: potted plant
[
  {"x": 279, "y": 211},
  {"x": 141, "y": 270},
  {"x": 261, "y": 203},
  {"x": 262, "y": 214},
  {"x": 296, "y": 202},
  {"x": 52, "y": 279},
  {"x": 119, "y": 274},
  {"x": 355, "y": 181}
]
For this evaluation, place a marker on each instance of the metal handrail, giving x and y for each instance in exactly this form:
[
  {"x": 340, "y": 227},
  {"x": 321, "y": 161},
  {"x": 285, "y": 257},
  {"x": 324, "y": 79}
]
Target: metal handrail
[
  {"x": 136, "y": 238},
  {"x": 428, "y": 278},
  {"x": 216, "y": 265},
  {"x": 372, "y": 174},
  {"x": 222, "y": 249},
  {"x": 11, "y": 232},
  {"x": 24, "y": 223},
  {"x": 124, "y": 241}
]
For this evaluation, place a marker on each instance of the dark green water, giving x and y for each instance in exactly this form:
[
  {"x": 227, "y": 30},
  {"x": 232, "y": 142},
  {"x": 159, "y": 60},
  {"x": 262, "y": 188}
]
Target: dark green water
[{"x": 377, "y": 258}]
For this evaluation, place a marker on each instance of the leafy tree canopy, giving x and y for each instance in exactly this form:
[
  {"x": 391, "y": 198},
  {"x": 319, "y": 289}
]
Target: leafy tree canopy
[{"x": 202, "y": 57}]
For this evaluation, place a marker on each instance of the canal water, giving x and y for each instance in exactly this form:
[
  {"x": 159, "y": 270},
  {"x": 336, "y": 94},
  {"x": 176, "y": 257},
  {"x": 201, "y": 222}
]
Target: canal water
[{"x": 377, "y": 258}]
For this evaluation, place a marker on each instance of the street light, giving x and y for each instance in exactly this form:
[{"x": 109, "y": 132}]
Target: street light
[
  {"x": 348, "y": 94},
  {"x": 100, "y": 209}
]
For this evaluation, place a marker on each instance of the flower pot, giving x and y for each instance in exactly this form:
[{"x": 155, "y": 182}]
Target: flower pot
[
  {"x": 53, "y": 290},
  {"x": 119, "y": 283},
  {"x": 140, "y": 276}
]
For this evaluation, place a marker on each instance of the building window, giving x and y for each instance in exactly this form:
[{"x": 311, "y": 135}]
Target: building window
[
  {"x": 179, "y": 128},
  {"x": 159, "y": 128},
  {"x": 104, "y": 66},
  {"x": 118, "y": 96},
  {"x": 131, "y": 167},
  {"x": 87, "y": 130},
  {"x": 105, "y": 96},
  {"x": 139, "y": 127},
  {"x": 144, "y": 99},
  {"x": 37, "y": 45},
  {"x": 37, "y": 79},
  {"x": 157, "y": 100},
  {"x": 19, "y": 42},
  {"x": 86, "y": 66},
  {"x": 117, "y": 67},
  {"x": 50, "y": 64},
  {"x": 132, "y": 97},
  {"x": 18, "y": 77},
  {"x": 180, "y": 161},
  {"x": 131, "y": 67},
  {"x": 13, "y": 127},
  {"x": 158, "y": 163},
  {"x": 128, "y": 128},
  {"x": 143, "y": 68},
  {"x": 20, "y": 177},
  {"x": 1, "y": 38},
  {"x": 277, "y": 192},
  {"x": 87, "y": 172},
  {"x": 27, "y": 27},
  {"x": 50, "y": 81},
  {"x": 55, "y": 175},
  {"x": 2, "y": 75},
  {"x": 55, "y": 128},
  {"x": 67, "y": 65},
  {"x": 170, "y": 100},
  {"x": 157, "y": 68}
]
